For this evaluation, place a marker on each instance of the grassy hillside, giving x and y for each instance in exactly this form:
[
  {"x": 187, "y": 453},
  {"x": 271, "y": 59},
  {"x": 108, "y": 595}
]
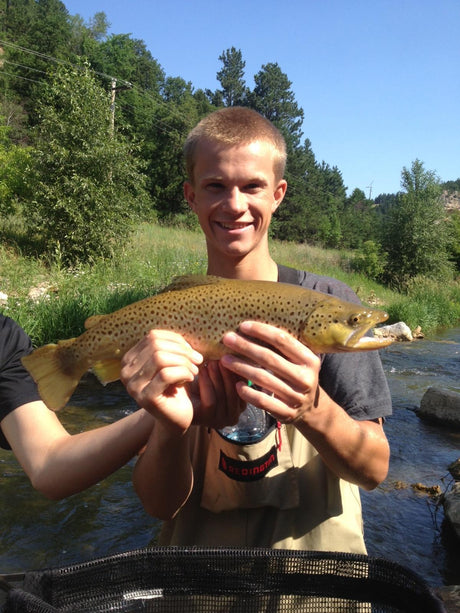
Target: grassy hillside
[{"x": 51, "y": 302}]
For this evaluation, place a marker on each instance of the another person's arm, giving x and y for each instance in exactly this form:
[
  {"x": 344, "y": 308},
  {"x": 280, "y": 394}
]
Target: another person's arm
[{"x": 59, "y": 464}]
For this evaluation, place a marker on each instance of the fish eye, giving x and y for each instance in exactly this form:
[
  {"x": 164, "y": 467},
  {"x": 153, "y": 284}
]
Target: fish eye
[{"x": 354, "y": 319}]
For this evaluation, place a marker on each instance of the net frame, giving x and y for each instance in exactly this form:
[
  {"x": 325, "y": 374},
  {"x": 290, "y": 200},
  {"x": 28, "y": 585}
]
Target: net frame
[{"x": 214, "y": 580}]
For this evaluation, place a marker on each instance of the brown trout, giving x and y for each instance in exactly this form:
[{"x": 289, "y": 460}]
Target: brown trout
[{"x": 201, "y": 309}]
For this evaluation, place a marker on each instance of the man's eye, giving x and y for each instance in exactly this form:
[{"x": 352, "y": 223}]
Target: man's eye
[
  {"x": 214, "y": 186},
  {"x": 252, "y": 187}
]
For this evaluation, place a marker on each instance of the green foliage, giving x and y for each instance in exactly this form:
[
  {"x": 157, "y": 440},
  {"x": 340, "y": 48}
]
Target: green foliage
[
  {"x": 289, "y": 222},
  {"x": 313, "y": 207},
  {"x": 86, "y": 178},
  {"x": 15, "y": 162},
  {"x": 359, "y": 221},
  {"x": 428, "y": 303},
  {"x": 42, "y": 26},
  {"x": 128, "y": 59},
  {"x": 370, "y": 261},
  {"x": 454, "y": 251},
  {"x": 164, "y": 138},
  {"x": 274, "y": 99},
  {"x": 77, "y": 163},
  {"x": 14, "y": 131},
  {"x": 415, "y": 232},
  {"x": 452, "y": 186},
  {"x": 231, "y": 77}
]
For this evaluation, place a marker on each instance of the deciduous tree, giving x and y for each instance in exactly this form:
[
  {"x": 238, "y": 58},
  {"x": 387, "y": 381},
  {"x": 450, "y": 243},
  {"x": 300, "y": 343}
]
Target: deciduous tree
[
  {"x": 87, "y": 182},
  {"x": 416, "y": 231}
]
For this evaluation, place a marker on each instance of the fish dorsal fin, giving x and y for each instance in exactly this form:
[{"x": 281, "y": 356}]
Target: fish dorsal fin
[
  {"x": 93, "y": 321},
  {"x": 188, "y": 281}
]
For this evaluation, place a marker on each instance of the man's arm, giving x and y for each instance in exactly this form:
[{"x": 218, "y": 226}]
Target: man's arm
[
  {"x": 59, "y": 464},
  {"x": 161, "y": 373},
  {"x": 163, "y": 475},
  {"x": 357, "y": 451}
]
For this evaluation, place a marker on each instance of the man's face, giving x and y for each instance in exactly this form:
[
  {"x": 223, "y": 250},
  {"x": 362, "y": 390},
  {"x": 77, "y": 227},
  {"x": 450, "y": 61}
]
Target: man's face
[{"x": 234, "y": 194}]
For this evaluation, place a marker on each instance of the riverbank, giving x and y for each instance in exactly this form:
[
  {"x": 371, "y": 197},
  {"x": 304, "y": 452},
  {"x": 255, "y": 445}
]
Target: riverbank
[{"x": 52, "y": 302}]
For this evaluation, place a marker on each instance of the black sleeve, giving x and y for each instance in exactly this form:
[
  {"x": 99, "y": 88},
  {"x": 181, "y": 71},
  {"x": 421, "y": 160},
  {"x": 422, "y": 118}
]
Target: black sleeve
[{"x": 16, "y": 385}]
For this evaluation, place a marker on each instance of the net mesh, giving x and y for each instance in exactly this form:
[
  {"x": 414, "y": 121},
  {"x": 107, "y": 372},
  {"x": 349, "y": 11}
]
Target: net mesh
[{"x": 203, "y": 580}]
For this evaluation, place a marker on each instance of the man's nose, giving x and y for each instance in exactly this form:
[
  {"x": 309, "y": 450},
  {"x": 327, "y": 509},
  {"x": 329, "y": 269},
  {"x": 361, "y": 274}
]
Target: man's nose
[{"x": 235, "y": 200}]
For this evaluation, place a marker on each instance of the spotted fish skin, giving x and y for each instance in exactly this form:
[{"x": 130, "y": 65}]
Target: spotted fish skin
[{"x": 202, "y": 310}]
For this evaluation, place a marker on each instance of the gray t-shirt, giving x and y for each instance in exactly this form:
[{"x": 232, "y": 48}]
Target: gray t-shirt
[{"x": 355, "y": 381}]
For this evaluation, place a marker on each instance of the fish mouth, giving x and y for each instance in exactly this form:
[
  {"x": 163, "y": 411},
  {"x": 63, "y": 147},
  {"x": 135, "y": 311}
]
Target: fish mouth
[
  {"x": 347, "y": 331},
  {"x": 360, "y": 340},
  {"x": 366, "y": 343}
]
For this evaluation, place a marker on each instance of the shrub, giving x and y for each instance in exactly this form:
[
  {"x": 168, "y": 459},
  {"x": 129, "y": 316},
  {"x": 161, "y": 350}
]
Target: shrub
[{"x": 369, "y": 261}]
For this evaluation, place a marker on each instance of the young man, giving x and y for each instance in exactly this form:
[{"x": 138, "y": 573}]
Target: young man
[
  {"x": 296, "y": 486},
  {"x": 58, "y": 464}
]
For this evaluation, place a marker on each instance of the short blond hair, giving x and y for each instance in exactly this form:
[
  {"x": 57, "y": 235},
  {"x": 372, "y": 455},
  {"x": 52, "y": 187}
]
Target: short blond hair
[{"x": 235, "y": 125}]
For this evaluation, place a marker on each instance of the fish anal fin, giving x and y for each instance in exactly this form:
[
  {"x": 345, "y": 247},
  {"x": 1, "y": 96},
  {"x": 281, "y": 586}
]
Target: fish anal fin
[{"x": 107, "y": 370}]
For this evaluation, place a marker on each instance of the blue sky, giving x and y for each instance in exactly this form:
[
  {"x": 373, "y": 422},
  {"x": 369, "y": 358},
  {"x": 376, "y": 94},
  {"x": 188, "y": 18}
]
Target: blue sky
[{"x": 378, "y": 80}]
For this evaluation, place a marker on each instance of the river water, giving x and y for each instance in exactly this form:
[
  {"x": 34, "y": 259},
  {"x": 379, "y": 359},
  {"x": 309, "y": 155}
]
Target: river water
[{"x": 401, "y": 524}]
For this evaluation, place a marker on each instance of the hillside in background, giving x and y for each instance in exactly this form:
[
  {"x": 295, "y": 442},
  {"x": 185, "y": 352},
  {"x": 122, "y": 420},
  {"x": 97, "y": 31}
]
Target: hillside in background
[{"x": 91, "y": 136}]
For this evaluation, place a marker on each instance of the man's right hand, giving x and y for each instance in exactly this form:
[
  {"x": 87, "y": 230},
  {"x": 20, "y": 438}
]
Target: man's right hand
[
  {"x": 167, "y": 377},
  {"x": 155, "y": 372}
]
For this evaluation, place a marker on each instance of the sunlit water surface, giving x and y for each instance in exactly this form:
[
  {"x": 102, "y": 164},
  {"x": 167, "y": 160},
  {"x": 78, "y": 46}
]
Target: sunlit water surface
[{"x": 400, "y": 524}]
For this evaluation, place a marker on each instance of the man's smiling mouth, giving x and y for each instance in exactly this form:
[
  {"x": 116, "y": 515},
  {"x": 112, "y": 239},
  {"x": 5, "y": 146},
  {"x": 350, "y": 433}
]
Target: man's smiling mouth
[{"x": 228, "y": 225}]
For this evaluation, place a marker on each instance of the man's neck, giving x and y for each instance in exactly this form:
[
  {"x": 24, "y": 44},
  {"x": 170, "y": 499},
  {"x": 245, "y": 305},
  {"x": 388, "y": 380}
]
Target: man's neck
[{"x": 264, "y": 269}]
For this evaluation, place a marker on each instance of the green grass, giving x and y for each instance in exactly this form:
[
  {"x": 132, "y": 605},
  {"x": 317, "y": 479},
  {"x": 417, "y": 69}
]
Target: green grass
[{"x": 156, "y": 254}]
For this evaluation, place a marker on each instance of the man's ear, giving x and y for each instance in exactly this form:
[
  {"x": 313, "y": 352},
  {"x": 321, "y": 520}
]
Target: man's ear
[
  {"x": 189, "y": 194},
  {"x": 279, "y": 194}
]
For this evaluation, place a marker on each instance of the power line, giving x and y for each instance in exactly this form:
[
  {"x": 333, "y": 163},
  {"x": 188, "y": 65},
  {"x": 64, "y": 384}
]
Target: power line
[
  {"x": 25, "y": 50},
  {"x": 167, "y": 129},
  {"x": 23, "y": 66},
  {"x": 10, "y": 74},
  {"x": 58, "y": 61},
  {"x": 101, "y": 74}
]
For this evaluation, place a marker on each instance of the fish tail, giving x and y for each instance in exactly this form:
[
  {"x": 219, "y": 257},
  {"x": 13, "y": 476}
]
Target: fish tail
[{"x": 56, "y": 372}]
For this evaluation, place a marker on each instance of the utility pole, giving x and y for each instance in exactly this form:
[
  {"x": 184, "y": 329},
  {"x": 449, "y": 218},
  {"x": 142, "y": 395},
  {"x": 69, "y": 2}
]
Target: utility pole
[
  {"x": 112, "y": 105},
  {"x": 114, "y": 90},
  {"x": 369, "y": 187}
]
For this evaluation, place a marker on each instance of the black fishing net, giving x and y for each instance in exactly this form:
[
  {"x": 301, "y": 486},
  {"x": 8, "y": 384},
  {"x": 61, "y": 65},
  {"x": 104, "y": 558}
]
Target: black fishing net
[{"x": 198, "y": 580}]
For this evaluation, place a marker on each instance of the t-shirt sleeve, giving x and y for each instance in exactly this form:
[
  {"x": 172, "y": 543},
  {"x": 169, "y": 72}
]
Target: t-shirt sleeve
[
  {"x": 355, "y": 381},
  {"x": 16, "y": 385}
]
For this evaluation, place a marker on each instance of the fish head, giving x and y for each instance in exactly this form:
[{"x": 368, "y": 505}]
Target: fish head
[{"x": 335, "y": 326}]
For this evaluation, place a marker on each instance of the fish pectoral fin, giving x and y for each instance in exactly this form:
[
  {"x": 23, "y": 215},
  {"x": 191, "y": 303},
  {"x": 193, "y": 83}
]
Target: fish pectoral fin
[{"x": 107, "y": 370}]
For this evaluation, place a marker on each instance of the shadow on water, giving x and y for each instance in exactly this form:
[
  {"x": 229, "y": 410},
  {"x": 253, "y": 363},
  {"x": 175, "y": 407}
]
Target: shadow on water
[{"x": 400, "y": 524}]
